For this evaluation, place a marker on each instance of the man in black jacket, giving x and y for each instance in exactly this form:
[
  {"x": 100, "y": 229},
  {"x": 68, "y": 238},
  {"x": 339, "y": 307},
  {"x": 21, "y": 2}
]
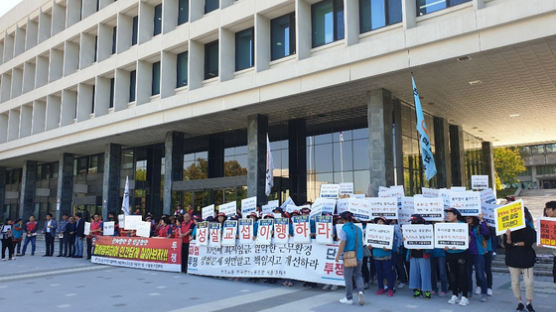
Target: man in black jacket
[{"x": 79, "y": 235}]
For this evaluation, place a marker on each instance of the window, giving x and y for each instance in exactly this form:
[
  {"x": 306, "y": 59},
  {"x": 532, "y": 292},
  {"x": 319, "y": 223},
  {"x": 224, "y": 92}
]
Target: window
[
  {"x": 111, "y": 93},
  {"x": 156, "y": 79},
  {"x": 96, "y": 48},
  {"x": 375, "y": 14},
  {"x": 211, "y": 5},
  {"x": 157, "y": 19},
  {"x": 282, "y": 36},
  {"x": 211, "y": 60},
  {"x": 245, "y": 49},
  {"x": 537, "y": 149},
  {"x": 183, "y": 11},
  {"x": 132, "y": 82},
  {"x": 182, "y": 70},
  {"x": 327, "y": 22},
  {"x": 429, "y": 6},
  {"x": 93, "y": 101},
  {"x": 98, "y": 4},
  {"x": 134, "y": 33},
  {"x": 550, "y": 148},
  {"x": 114, "y": 34}
]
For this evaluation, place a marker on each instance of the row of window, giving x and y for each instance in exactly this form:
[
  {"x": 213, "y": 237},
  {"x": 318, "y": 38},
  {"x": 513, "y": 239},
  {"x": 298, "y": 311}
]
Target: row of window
[{"x": 541, "y": 149}]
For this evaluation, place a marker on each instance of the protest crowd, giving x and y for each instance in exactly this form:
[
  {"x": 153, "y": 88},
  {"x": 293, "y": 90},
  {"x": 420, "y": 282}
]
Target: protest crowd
[{"x": 454, "y": 273}]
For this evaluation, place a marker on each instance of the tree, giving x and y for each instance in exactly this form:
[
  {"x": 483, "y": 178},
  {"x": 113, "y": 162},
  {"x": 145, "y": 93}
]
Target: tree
[{"x": 508, "y": 164}]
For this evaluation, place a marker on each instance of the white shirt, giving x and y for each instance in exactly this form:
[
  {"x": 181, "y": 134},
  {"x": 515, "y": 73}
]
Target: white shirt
[{"x": 48, "y": 226}]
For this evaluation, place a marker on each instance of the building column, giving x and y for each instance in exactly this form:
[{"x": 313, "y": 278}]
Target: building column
[
  {"x": 28, "y": 189},
  {"x": 397, "y": 141},
  {"x": 2, "y": 186},
  {"x": 173, "y": 166},
  {"x": 442, "y": 152},
  {"x": 154, "y": 177},
  {"x": 64, "y": 193},
  {"x": 257, "y": 129},
  {"x": 488, "y": 163},
  {"x": 379, "y": 119},
  {"x": 457, "y": 155},
  {"x": 111, "y": 180},
  {"x": 216, "y": 156},
  {"x": 297, "y": 156}
]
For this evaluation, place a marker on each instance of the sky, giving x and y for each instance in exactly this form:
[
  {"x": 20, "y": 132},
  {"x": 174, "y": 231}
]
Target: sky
[{"x": 6, "y": 5}]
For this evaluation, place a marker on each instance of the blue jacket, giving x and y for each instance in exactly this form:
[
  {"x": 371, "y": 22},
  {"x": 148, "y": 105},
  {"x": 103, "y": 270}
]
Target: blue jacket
[
  {"x": 350, "y": 231},
  {"x": 53, "y": 229}
]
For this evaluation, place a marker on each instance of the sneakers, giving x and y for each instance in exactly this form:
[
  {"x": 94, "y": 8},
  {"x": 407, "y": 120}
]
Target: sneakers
[
  {"x": 380, "y": 291},
  {"x": 530, "y": 308},
  {"x": 489, "y": 291},
  {"x": 417, "y": 293},
  {"x": 361, "y": 298},
  {"x": 453, "y": 300},
  {"x": 478, "y": 290},
  {"x": 3, "y": 259},
  {"x": 520, "y": 307},
  {"x": 346, "y": 301},
  {"x": 428, "y": 295},
  {"x": 390, "y": 293},
  {"x": 484, "y": 298},
  {"x": 464, "y": 301}
]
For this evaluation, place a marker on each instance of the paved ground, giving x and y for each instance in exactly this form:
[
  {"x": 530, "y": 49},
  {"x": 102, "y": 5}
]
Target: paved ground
[{"x": 62, "y": 284}]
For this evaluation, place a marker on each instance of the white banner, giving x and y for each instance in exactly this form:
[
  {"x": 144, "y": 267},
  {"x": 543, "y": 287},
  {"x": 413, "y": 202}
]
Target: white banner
[
  {"x": 430, "y": 208},
  {"x": 451, "y": 235},
  {"x": 207, "y": 211},
  {"x": 429, "y": 192},
  {"x": 87, "y": 229},
  {"x": 380, "y": 235},
  {"x": 246, "y": 231},
  {"x": 281, "y": 231},
  {"x": 418, "y": 236},
  {"x": 228, "y": 208},
  {"x": 290, "y": 208},
  {"x": 472, "y": 204},
  {"x": 383, "y": 207},
  {"x": 248, "y": 205},
  {"x": 360, "y": 208},
  {"x": 405, "y": 212},
  {"x": 132, "y": 222},
  {"x": 323, "y": 205},
  {"x": 108, "y": 228},
  {"x": 487, "y": 196},
  {"x": 202, "y": 233},
  {"x": 215, "y": 235},
  {"x": 346, "y": 188},
  {"x": 488, "y": 213},
  {"x": 324, "y": 229},
  {"x": 229, "y": 233},
  {"x": 342, "y": 204},
  {"x": 458, "y": 189},
  {"x": 269, "y": 207},
  {"x": 264, "y": 232},
  {"x": 305, "y": 262},
  {"x": 143, "y": 229},
  {"x": 329, "y": 190},
  {"x": 301, "y": 230},
  {"x": 479, "y": 182}
]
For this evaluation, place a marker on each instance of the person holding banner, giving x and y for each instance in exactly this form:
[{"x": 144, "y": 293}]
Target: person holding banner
[
  {"x": 457, "y": 265},
  {"x": 419, "y": 267},
  {"x": 351, "y": 244},
  {"x": 383, "y": 264},
  {"x": 520, "y": 259},
  {"x": 478, "y": 234},
  {"x": 550, "y": 212},
  {"x": 96, "y": 230}
]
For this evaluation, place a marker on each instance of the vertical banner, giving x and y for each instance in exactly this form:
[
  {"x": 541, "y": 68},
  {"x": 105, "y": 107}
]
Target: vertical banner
[
  {"x": 245, "y": 231},
  {"x": 424, "y": 142},
  {"x": 264, "y": 232},
  {"x": 430, "y": 208},
  {"x": 324, "y": 229},
  {"x": 248, "y": 205},
  {"x": 125, "y": 200},
  {"x": 302, "y": 230},
  {"x": 207, "y": 211},
  {"x": 229, "y": 233},
  {"x": 281, "y": 231},
  {"x": 451, "y": 235},
  {"x": 418, "y": 236},
  {"x": 215, "y": 235},
  {"x": 546, "y": 233},
  {"x": 269, "y": 177},
  {"x": 202, "y": 233},
  {"x": 108, "y": 228},
  {"x": 380, "y": 235},
  {"x": 510, "y": 217}
]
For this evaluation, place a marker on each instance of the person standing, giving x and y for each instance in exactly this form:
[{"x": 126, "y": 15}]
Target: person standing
[
  {"x": 31, "y": 228},
  {"x": 18, "y": 236},
  {"x": 520, "y": 259},
  {"x": 79, "y": 235},
  {"x": 69, "y": 244},
  {"x": 49, "y": 231},
  {"x": 383, "y": 263},
  {"x": 351, "y": 238},
  {"x": 186, "y": 230},
  {"x": 6, "y": 234},
  {"x": 550, "y": 211},
  {"x": 95, "y": 231},
  {"x": 457, "y": 265},
  {"x": 63, "y": 236},
  {"x": 420, "y": 267}
]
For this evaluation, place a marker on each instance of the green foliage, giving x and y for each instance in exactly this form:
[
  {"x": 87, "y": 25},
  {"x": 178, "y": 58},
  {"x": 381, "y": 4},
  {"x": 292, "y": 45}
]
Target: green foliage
[{"x": 508, "y": 164}]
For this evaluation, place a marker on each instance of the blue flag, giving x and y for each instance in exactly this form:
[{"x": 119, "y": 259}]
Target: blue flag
[{"x": 424, "y": 142}]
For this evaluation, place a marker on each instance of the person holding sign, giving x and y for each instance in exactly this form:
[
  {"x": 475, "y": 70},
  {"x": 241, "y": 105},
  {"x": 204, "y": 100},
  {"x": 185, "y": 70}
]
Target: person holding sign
[
  {"x": 478, "y": 234},
  {"x": 351, "y": 247},
  {"x": 520, "y": 259},
  {"x": 457, "y": 265},
  {"x": 420, "y": 267},
  {"x": 550, "y": 212},
  {"x": 383, "y": 263}
]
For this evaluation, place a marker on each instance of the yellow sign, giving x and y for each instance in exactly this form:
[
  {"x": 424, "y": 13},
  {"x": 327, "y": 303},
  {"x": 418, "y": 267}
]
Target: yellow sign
[{"x": 510, "y": 217}]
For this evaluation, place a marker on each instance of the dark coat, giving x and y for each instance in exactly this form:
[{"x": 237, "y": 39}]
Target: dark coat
[{"x": 521, "y": 256}]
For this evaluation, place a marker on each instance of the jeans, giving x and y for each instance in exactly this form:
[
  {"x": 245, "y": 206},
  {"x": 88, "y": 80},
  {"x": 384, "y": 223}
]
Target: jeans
[
  {"x": 69, "y": 245},
  {"x": 477, "y": 261},
  {"x": 63, "y": 248},
  {"x": 79, "y": 246},
  {"x": 439, "y": 272},
  {"x": 384, "y": 271},
  {"x": 399, "y": 266},
  {"x": 457, "y": 272},
  {"x": 33, "y": 240},
  {"x": 17, "y": 244},
  {"x": 49, "y": 240},
  {"x": 420, "y": 274},
  {"x": 488, "y": 269},
  {"x": 351, "y": 274}
]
